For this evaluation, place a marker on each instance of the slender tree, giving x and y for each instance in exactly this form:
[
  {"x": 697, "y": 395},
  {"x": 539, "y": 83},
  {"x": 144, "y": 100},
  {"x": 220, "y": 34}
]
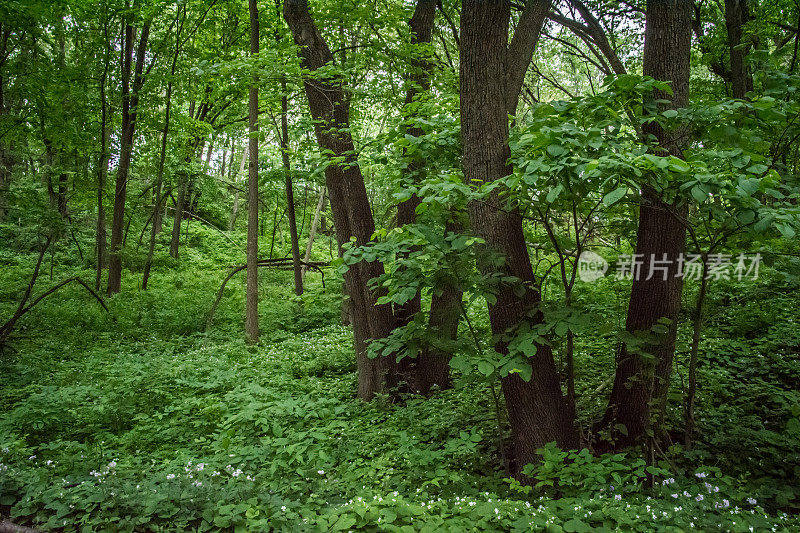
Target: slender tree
[
  {"x": 287, "y": 171},
  {"x": 162, "y": 159},
  {"x": 130, "y": 103},
  {"x": 251, "y": 311}
]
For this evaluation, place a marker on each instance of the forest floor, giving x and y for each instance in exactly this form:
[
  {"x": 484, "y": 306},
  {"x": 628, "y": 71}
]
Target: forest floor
[{"x": 140, "y": 419}]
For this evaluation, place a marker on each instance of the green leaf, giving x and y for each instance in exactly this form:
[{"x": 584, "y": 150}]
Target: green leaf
[
  {"x": 554, "y": 192},
  {"x": 614, "y": 196},
  {"x": 486, "y": 368},
  {"x": 556, "y": 150}
]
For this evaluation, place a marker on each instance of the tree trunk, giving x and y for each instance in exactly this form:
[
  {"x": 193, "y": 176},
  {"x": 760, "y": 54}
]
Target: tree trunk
[
  {"x": 235, "y": 209},
  {"x": 102, "y": 162},
  {"x": 696, "y": 329},
  {"x": 537, "y": 410},
  {"x": 251, "y": 306},
  {"x": 130, "y": 102},
  {"x": 352, "y": 215},
  {"x": 298, "y": 275},
  {"x": 737, "y": 14},
  {"x": 313, "y": 232},
  {"x": 6, "y": 160},
  {"x": 418, "y": 82},
  {"x": 161, "y": 162},
  {"x": 177, "y": 220},
  {"x": 642, "y": 380}
]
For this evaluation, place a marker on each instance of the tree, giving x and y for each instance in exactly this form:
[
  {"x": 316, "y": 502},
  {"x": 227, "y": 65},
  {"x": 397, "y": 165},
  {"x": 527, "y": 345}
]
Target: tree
[
  {"x": 352, "y": 215},
  {"x": 287, "y": 169},
  {"x": 643, "y": 373},
  {"x": 537, "y": 410},
  {"x": 251, "y": 305},
  {"x": 130, "y": 104},
  {"x": 737, "y": 13}
]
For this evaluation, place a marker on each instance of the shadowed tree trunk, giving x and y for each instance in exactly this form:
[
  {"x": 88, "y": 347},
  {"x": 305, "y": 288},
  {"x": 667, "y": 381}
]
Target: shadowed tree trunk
[
  {"x": 352, "y": 216},
  {"x": 251, "y": 304},
  {"x": 537, "y": 410},
  {"x": 737, "y": 14},
  {"x": 642, "y": 381},
  {"x": 418, "y": 83},
  {"x": 102, "y": 161}
]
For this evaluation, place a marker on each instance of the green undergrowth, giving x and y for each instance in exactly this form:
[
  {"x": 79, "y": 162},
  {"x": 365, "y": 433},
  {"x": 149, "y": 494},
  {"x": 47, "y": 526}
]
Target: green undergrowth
[{"x": 141, "y": 419}]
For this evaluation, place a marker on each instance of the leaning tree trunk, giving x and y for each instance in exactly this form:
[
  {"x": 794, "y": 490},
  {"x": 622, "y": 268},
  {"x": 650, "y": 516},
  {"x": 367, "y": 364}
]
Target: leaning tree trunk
[
  {"x": 130, "y": 102},
  {"x": 352, "y": 216},
  {"x": 537, "y": 410},
  {"x": 642, "y": 380}
]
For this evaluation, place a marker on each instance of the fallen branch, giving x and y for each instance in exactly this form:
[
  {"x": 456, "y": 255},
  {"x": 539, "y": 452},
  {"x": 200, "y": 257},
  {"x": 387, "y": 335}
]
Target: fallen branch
[
  {"x": 10, "y": 527},
  {"x": 7, "y": 328},
  {"x": 317, "y": 265}
]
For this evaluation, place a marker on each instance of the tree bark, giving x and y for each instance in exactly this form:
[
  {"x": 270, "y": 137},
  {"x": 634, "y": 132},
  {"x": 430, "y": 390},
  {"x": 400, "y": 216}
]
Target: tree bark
[
  {"x": 251, "y": 305},
  {"x": 6, "y": 160},
  {"x": 130, "y": 102},
  {"x": 352, "y": 216},
  {"x": 737, "y": 14},
  {"x": 537, "y": 410},
  {"x": 287, "y": 170},
  {"x": 298, "y": 275},
  {"x": 642, "y": 380}
]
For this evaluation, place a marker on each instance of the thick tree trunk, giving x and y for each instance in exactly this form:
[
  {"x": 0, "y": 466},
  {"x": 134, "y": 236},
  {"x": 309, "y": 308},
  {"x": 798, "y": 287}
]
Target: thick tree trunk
[
  {"x": 433, "y": 365},
  {"x": 130, "y": 102},
  {"x": 251, "y": 305},
  {"x": 642, "y": 381},
  {"x": 352, "y": 215},
  {"x": 537, "y": 410},
  {"x": 737, "y": 14}
]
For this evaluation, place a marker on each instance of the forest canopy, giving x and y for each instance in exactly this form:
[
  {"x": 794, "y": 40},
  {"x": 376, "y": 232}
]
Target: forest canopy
[{"x": 399, "y": 265}]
